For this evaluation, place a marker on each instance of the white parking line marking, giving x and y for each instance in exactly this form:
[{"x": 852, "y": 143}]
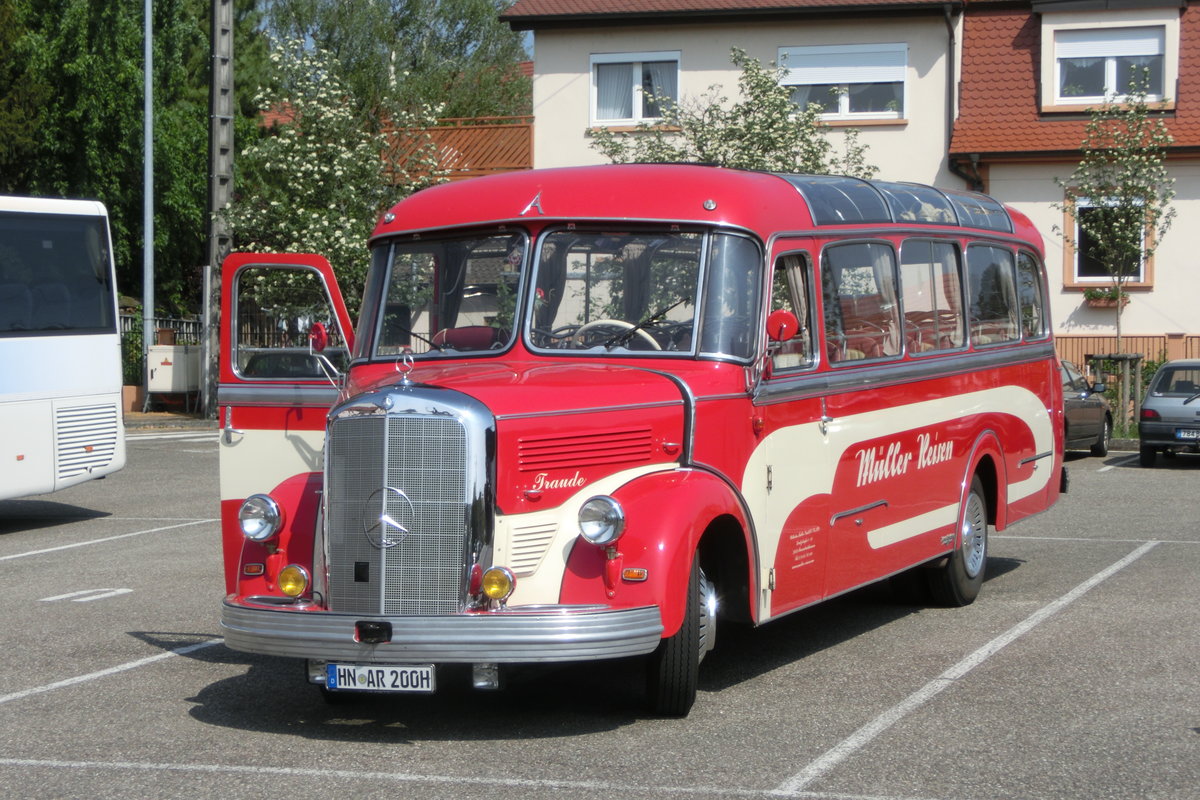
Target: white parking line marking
[
  {"x": 864, "y": 735},
  {"x": 194, "y": 436},
  {"x": 1121, "y": 463},
  {"x": 104, "y": 673},
  {"x": 613, "y": 788},
  {"x": 105, "y": 539},
  {"x": 86, "y": 595}
]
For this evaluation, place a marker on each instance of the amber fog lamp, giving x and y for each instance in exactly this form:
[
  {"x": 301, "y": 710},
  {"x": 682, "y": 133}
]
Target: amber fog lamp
[
  {"x": 498, "y": 583},
  {"x": 293, "y": 580},
  {"x": 260, "y": 517},
  {"x": 601, "y": 520}
]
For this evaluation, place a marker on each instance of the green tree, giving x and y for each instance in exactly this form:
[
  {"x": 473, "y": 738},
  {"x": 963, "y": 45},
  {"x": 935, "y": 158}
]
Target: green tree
[
  {"x": 413, "y": 54},
  {"x": 317, "y": 182},
  {"x": 762, "y": 130},
  {"x": 1123, "y": 178},
  {"x": 71, "y": 88}
]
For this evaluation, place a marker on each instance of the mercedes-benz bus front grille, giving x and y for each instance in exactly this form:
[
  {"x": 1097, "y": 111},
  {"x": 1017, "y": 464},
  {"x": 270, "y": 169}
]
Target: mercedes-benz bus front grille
[{"x": 398, "y": 512}]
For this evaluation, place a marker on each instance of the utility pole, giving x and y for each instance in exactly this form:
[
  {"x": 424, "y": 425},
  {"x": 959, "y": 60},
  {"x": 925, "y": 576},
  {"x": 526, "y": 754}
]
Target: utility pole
[{"x": 220, "y": 190}]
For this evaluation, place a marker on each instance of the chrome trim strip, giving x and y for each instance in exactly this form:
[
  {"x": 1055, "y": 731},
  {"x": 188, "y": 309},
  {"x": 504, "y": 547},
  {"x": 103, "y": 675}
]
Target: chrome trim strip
[
  {"x": 876, "y": 375},
  {"x": 860, "y": 510},
  {"x": 596, "y": 410},
  {"x": 290, "y": 395},
  {"x": 1037, "y": 457},
  {"x": 561, "y": 634}
]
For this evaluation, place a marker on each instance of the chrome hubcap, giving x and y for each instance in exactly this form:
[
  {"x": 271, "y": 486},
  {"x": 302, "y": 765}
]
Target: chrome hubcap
[{"x": 974, "y": 535}]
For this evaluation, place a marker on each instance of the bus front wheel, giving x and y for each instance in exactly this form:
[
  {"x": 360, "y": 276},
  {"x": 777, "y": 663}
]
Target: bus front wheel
[
  {"x": 957, "y": 582},
  {"x": 672, "y": 671}
]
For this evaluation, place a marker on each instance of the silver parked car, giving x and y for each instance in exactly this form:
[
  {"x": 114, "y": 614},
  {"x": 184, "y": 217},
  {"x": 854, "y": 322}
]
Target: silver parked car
[{"x": 1170, "y": 419}]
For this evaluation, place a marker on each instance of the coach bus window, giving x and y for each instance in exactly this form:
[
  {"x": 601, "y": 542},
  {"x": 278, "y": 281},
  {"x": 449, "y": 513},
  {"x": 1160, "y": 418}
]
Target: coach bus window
[
  {"x": 789, "y": 292},
  {"x": 858, "y": 282},
  {"x": 1029, "y": 287},
  {"x": 993, "y": 304},
  {"x": 929, "y": 277}
]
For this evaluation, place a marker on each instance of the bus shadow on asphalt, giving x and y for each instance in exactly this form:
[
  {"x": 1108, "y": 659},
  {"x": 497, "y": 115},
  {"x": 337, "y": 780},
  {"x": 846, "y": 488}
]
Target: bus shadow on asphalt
[
  {"x": 535, "y": 701},
  {"x": 29, "y": 515}
]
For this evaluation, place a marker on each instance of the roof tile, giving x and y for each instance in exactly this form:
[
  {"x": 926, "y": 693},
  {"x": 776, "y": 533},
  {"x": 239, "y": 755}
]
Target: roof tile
[{"x": 999, "y": 109}]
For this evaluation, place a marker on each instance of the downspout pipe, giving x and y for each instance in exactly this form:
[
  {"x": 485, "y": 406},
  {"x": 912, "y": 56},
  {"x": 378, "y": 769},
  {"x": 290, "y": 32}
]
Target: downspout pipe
[{"x": 972, "y": 179}]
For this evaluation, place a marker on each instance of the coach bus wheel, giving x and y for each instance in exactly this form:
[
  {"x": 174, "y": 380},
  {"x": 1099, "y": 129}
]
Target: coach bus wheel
[
  {"x": 673, "y": 669},
  {"x": 958, "y": 581}
]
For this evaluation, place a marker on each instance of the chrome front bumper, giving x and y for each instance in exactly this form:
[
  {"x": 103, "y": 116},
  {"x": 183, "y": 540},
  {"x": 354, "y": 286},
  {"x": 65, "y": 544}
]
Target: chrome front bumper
[{"x": 539, "y": 634}]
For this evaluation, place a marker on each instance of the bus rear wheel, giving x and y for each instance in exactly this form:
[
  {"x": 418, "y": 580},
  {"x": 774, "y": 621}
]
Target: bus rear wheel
[
  {"x": 957, "y": 582},
  {"x": 672, "y": 670}
]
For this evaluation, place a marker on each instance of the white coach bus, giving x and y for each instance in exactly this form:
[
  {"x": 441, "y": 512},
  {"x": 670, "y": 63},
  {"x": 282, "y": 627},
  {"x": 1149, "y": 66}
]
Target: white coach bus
[{"x": 60, "y": 352}]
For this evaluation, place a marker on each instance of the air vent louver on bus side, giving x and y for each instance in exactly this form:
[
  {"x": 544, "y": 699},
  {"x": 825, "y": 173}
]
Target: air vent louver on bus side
[
  {"x": 557, "y": 451},
  {"x": 85, "y": 438}
]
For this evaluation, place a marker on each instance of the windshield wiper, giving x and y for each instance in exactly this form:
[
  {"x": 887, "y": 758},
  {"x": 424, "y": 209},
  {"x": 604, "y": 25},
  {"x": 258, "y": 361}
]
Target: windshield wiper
[
  {"x": 623, "y": 337},
  {"x": 428, "y": 341},
  {"x": 1193, "y": 397}
]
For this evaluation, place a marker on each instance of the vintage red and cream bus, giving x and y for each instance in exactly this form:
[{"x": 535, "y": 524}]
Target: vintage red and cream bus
[{"x": 586, "y": 413}]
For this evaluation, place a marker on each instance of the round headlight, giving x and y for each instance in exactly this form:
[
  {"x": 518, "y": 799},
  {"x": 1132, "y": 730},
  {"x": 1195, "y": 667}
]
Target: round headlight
[
  {"x": 498, "y": 583},
  {"x": 260, "y": 518},
  {"x": 601, "y": 520},
  {"x": 293, "y": 580}
]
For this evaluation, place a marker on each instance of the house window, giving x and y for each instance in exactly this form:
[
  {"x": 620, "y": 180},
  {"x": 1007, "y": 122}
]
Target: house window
[
  {"x": 1082, "y": 267},
  {"x": 1088, "y": 267},
  {"x": 628, "y": 88},
  {"x": 863, "y": 81},
  {"x": 1093, "y": 65}
]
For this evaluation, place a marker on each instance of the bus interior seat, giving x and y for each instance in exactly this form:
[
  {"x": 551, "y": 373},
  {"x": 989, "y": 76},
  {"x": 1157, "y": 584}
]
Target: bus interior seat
[{"x": 470, "y": 337}]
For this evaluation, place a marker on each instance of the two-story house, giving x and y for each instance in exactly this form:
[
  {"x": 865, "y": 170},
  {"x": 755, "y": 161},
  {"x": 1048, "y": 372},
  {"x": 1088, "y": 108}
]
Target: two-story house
[{"x": 980, "y": 94}]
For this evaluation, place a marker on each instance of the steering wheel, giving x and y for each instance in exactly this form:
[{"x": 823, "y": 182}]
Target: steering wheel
[{"x": 619, "y": 324}]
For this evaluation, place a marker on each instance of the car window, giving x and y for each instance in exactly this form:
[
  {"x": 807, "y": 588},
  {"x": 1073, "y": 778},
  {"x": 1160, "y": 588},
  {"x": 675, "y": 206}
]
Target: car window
[
  {"x": 1072, "y": 380},
  {"x": 1184, "y": 381}
]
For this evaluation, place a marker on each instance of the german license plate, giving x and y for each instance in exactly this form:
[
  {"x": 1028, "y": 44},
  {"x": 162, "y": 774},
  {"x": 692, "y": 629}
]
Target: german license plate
[
  {"x": 1187, "y": 433},
  {"x": 380, "y": 678}
]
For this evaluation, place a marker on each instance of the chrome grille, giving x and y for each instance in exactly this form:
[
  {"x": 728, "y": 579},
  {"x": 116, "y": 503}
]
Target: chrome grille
[{"x": 412, "y": 472}]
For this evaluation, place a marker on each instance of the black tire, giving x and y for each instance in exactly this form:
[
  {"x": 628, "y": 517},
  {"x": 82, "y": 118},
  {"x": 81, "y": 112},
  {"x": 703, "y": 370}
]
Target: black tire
[
  {"x": 957, "y": 582},
  {"x": 1146, "y": 455},
  {"x": 673, "y": 669},
  {"x": 1100, "y": 448}
]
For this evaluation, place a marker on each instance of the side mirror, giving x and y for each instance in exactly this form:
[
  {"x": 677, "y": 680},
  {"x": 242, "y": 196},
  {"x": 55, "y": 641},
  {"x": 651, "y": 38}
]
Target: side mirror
[
  {"x": 782, "y": 325},
  {"x": 1098, "y": 388},
  {"x": 318, "y": 337}
]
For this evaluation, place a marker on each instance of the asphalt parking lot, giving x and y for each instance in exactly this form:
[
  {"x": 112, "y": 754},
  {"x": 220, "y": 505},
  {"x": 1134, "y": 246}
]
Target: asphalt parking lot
[{"x": 1073, "y": 676}]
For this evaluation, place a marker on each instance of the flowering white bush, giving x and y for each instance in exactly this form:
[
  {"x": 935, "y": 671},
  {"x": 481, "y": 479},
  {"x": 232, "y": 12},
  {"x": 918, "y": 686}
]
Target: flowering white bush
[{"x": 317, "y": 181}]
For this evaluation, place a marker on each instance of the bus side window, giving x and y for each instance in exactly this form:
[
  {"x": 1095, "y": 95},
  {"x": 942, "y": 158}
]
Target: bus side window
[
  {"x": 862, "y": 311},
  {"x": 993, "y": 303},
  {"x": 789, "y": 292},
  {"x": 1029, "y": 288},
  {"x": 932, "y": 292}
]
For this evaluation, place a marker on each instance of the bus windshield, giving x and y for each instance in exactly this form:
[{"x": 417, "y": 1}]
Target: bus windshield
[
  {"x": 641, "y": 291},
  {"x": 54, "y": 275},
  {"x": 448, "y": 296}
]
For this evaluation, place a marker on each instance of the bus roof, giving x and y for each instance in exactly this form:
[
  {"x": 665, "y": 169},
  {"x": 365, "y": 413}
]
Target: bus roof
[
  {"x": 686, "y": 193},
  {"x": 52, "y": 205}
]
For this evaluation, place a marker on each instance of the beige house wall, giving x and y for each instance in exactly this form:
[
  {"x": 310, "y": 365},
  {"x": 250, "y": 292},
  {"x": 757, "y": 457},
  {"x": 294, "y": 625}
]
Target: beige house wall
[
  {"x": 1168, "y": 307},
  {"x": 913, "y": 149}
]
